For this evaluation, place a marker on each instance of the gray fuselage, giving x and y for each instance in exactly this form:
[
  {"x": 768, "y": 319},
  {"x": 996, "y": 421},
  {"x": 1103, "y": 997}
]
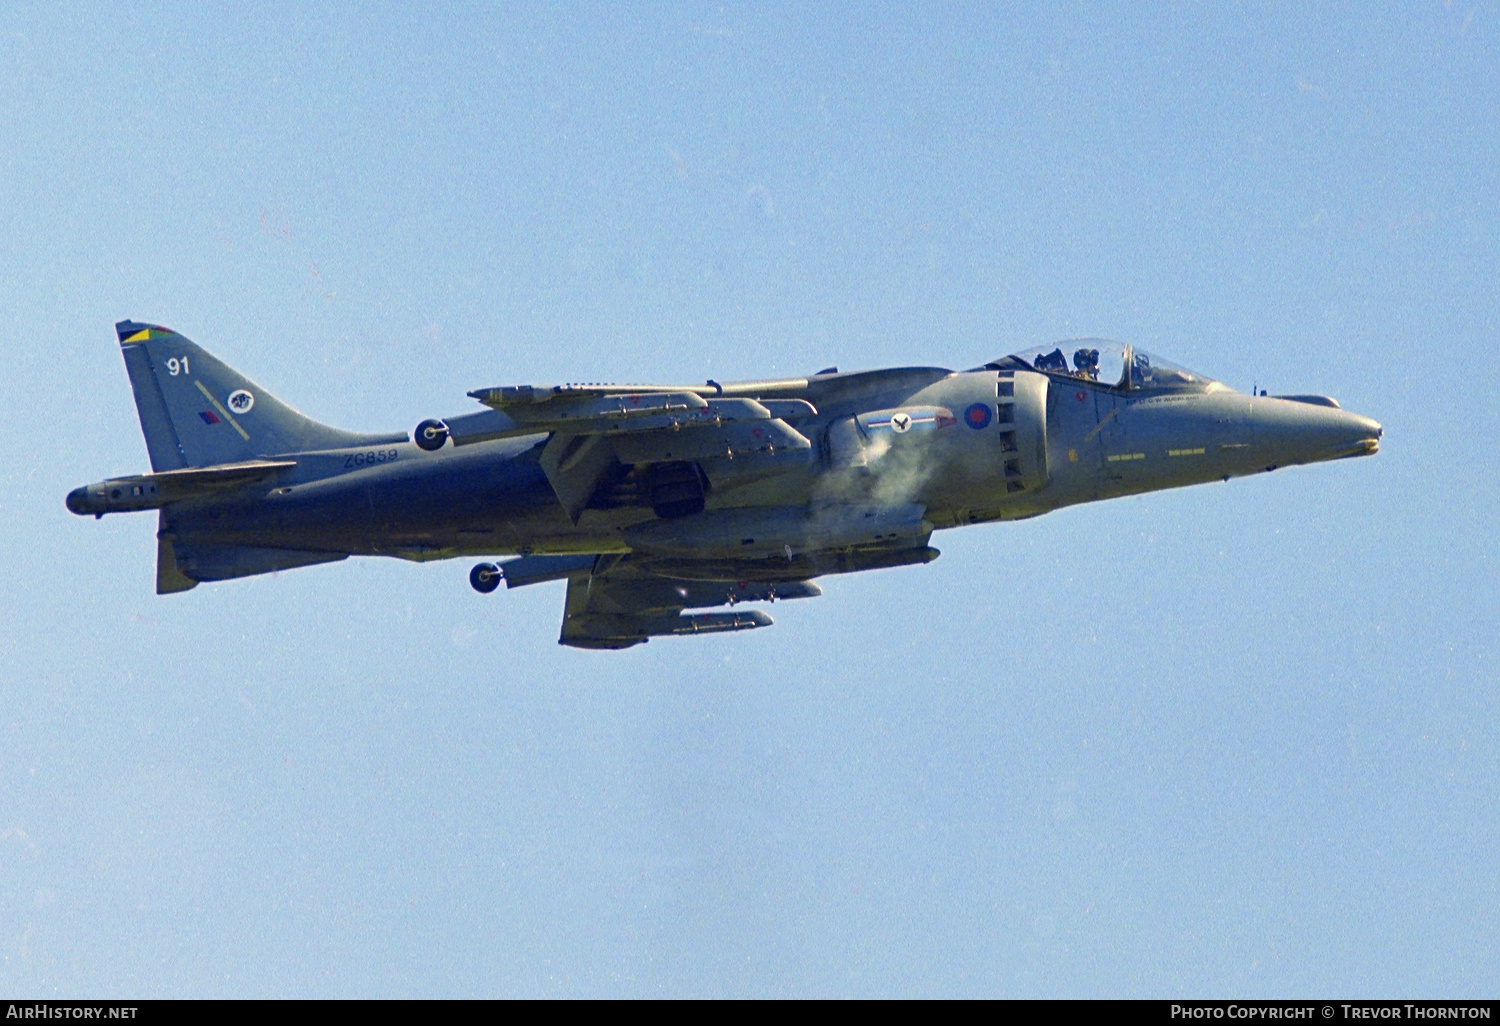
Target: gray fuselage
[{"x": 493, "y": 498}]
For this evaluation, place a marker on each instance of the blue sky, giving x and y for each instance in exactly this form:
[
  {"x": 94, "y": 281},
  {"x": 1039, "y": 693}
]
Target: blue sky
[{"x": 1232, "y": 740}]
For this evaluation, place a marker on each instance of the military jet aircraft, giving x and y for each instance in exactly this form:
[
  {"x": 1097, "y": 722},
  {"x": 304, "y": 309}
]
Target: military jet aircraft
[{"x": 650, "y": 500}]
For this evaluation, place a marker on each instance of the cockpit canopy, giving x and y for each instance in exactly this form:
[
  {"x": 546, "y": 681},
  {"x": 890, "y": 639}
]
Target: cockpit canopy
[{"x": 1116, "y": 364}]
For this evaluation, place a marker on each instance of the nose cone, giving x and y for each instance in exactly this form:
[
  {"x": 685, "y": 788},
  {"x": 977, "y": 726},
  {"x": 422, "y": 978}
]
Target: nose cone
[
  {"x": 78, "y": 501},
  {"x": 1293, "y": 431}
]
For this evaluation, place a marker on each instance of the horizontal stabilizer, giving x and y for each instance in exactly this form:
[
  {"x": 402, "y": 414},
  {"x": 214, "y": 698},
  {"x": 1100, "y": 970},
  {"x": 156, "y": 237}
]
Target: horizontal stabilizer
[{"x": 153, "y": 491}]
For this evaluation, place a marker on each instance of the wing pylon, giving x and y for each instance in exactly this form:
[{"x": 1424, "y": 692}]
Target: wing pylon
[{"x": 613, "y": 603}]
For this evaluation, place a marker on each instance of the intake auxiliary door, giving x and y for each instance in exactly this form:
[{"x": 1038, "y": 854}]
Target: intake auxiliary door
[{"x": 1021, "y": 417}]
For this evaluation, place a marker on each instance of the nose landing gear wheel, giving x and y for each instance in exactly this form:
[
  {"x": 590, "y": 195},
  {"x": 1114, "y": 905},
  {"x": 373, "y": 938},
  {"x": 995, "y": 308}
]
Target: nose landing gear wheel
[
  {"x": 485, "y": 578},
  {"x": 430, "y": 435}
]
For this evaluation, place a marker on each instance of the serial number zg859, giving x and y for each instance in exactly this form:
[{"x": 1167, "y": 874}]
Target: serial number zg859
[{"x": 367, "y": 459}]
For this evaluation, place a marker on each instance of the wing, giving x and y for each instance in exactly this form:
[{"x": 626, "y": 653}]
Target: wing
[
  {"x": 614, "y": 603},
  {"x": 595, "y": 429}
]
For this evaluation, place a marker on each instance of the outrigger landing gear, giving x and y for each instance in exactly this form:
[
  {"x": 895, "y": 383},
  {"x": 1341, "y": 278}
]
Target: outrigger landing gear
[
  {"x": 485, "y": 577},
  {"x": 430, "y": 435}
]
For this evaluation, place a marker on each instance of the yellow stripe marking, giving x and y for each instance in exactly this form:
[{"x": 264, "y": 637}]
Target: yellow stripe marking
[
  {"x": 139, "y": 336},
  {"x": 1100, "y": 426},
  {"x": 222, "y": 412},
  {"x": 1184, "y": 452},
  {"x": 1126, "y": 456}
]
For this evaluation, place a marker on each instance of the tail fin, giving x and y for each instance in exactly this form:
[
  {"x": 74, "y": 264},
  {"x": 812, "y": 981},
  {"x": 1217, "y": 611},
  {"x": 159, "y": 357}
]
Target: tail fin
[{"x": 198, "y": 412}]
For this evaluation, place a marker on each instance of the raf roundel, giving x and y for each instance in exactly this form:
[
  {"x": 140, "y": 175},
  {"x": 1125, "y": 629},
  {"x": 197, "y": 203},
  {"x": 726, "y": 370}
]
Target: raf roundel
[
  {"x": 978, "y": 416},
  {"x": 241, "y": 401}
]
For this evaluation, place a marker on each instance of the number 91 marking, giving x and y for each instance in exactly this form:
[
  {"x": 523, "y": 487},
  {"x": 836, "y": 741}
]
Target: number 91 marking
[{"x": 176, "y": 366}]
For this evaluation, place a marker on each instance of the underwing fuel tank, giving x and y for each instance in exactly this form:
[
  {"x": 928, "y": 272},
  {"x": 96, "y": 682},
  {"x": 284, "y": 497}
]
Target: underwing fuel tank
[{"x": 758, "y": 532}]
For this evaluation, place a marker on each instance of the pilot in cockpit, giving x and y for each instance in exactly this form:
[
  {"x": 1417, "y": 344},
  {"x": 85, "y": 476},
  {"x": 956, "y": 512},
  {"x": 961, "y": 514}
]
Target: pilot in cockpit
[
  {"x": 1086, "y": 364},
  {"x": 1053, "y": 361}
]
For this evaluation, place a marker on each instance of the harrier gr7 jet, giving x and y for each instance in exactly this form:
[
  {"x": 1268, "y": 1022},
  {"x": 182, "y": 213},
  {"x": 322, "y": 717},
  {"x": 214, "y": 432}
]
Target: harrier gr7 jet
[{"x": 649, "y": 500}]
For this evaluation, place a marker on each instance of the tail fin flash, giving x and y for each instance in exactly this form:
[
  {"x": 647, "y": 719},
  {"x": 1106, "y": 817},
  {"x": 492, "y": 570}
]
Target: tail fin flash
[{"x": 198, "y": 412}]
